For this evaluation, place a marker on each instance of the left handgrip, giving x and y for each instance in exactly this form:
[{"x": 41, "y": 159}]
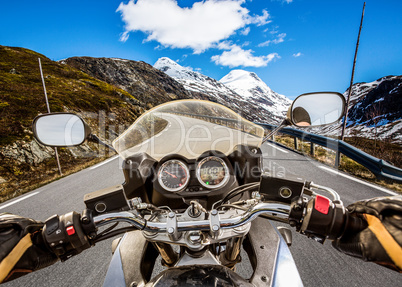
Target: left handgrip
[{"x": 65, "y": 236}]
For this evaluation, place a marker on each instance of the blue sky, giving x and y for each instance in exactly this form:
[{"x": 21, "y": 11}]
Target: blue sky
[{"x": 295, "y": 46}]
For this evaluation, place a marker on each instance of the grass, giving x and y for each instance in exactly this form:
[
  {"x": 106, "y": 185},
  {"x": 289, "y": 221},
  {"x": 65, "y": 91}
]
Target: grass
[
  {"x": 10, "y": 190},
  {"x": 22, "y": 99},
  {"x": 348, "y": 165}
]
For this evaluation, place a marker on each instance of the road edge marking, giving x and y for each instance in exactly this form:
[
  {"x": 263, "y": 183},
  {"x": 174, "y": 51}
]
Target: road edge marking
[
  {"x": 19, "y": 199},
  {"x": 358, "y": 180},
  {"x": 104, "y": 162},
  {"x": 278, "y": 148}
]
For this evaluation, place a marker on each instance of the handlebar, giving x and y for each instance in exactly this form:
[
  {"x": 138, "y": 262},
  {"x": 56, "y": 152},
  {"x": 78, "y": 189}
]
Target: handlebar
[
  {"x": 275, "y": 209},
  {"x": 318, "y": 218}
]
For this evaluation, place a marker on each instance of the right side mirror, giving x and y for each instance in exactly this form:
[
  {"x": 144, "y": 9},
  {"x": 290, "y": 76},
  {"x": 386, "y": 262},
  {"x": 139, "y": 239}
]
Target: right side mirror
[{"x": 317, "y": 109}]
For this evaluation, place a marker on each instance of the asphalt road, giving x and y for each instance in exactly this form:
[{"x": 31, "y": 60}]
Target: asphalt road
[{"x": 319, "y": 265}]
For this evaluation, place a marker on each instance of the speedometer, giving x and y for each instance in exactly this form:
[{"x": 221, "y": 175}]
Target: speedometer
[
  {"x": 212, "y": 172},
  {"x": 173, "y": 175}
]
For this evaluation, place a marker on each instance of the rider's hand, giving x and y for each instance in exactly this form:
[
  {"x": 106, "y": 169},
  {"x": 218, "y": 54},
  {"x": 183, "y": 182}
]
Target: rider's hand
[
  {"x": 381, "y": 241},
  {"x": 22, "y": 249}
]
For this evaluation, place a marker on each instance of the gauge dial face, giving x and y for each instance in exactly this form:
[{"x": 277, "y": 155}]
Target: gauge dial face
[
  {"x": 173, "y": 175},
  {"x": 212, "y": 172}
]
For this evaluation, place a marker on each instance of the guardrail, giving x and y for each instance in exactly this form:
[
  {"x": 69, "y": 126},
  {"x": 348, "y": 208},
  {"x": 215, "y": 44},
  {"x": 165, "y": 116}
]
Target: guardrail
[{"x": 380, "y": 168}]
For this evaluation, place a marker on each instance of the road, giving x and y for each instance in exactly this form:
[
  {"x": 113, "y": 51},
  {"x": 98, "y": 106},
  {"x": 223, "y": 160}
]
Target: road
[{"x": 319, "y": 265}]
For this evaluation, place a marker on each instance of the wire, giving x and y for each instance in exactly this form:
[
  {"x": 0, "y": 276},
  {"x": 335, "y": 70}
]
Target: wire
[
  {"x": 113, "y": 233},
  {"x": 233, "y": 191},
  {"x": 237, "y": 191},
  {"x": 154, "y": 215},
  {"x": 108, "y": 229},
  {"x": 231, "y": 206}
]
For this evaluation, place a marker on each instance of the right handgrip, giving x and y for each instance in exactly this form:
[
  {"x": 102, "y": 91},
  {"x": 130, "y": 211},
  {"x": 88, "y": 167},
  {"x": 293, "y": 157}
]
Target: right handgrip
[
  {"x": 323, "y": 219},
  {"x": 353, "y": 224}
]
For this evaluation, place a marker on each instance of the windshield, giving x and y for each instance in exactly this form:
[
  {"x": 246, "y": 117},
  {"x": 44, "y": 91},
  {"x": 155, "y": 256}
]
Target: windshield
[{"x": 188, "y": 128}]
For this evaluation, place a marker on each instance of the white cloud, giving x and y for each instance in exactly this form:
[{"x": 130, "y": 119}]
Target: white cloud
[
  {"x": 297, "y": 55},
  {"x": 278, "y": 40},
  {"x": 199, "y": 27},
  {"x": 284, "y": 1},
  {"x": 261, "y": 20},
  {"x": 236, "y": 57},
  {"x": 245, "y": 31}
]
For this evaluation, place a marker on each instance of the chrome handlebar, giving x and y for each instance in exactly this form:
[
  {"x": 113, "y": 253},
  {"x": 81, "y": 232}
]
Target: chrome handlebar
[{"x": 213, "y": 223}]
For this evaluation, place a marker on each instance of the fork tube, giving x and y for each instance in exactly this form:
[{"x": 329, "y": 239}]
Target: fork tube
[
  {"x": 167, "y": 253},
  {"x": 233, "y": 246}
]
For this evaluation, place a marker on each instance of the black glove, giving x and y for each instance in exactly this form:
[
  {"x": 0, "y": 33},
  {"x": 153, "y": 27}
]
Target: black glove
[
  {"x": 381, "y": 241},
  {"x": 22, "y": 249}
]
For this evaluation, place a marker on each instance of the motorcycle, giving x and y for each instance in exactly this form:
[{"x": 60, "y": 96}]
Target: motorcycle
[{"x": 195, "y": 195}]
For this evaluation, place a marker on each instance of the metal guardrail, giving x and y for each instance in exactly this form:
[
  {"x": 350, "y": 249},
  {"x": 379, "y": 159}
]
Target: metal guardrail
[{"x": 380, "y": 168}]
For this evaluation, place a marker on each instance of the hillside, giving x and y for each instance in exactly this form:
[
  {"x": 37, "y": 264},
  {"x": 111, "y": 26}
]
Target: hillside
[
  {"x": 22, "y": 99},
  {"x": 375, "y": 111},
  {"x": 150, "y": 86}
]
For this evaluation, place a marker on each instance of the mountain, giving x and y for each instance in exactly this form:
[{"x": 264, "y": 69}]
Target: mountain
[
  {"x": 253, "y": 89},
  {"x": 375, "y": 110},
  {"x": 149, "y": 86},
  {"x": 256, "y": 101}
]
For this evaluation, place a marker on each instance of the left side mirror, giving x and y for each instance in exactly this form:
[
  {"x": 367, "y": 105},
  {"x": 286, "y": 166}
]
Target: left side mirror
[
  {"x": 317, "y": 109},
  {"x": 60, "y": 129}
]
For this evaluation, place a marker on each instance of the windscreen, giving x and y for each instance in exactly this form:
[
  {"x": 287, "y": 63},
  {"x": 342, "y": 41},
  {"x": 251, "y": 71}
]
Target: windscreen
[{"x": 188, "y": 128}]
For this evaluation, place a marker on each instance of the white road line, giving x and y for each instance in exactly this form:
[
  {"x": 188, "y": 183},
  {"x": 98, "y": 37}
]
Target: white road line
[
  {"x": 358, "y": 180},
  {"x": 19, "y": 199},
  {"x": 104, "y": 162},
  {"x": 278, "y": 148}
]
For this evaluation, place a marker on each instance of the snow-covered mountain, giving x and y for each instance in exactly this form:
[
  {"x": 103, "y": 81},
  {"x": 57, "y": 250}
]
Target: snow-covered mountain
[
  {"x": 253, "y": 89},
  {"x": 245, "y": 93},
  {"x": 375, "y": 110}
]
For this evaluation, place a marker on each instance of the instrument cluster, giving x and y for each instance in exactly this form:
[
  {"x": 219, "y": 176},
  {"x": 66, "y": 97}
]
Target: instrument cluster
[{"x": 208, "y": 173}]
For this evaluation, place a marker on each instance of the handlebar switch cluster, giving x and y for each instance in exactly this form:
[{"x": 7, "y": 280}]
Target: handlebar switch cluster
[
  {"x": 65, "y": 236},
  {"x": 319, "y": 218}
]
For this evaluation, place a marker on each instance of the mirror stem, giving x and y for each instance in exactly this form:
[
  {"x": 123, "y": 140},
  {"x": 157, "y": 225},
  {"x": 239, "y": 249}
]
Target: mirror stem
[
  {"x": 283, "y": 124},
  {"x": 95, "y": 139}
]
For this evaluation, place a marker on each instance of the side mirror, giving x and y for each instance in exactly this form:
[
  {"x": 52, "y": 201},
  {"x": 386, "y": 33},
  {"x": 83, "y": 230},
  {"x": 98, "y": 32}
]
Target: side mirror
[
  {"x": 60, "y": 129},
  {"x": 316, "y": 109}
]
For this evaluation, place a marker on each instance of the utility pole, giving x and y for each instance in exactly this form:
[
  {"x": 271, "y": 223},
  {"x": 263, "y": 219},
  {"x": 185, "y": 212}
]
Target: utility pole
[
  {"x": 353, "y": 74},
  {"x": 48, "y": 110},
  {"x": 345, "y": 119}
]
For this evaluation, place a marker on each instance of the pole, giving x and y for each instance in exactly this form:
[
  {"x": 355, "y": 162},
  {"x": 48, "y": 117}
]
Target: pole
[
  {"x": 353, "y": 74},
  {"x": 48, "y": 110},
  {"x": 345, "y": 119}
]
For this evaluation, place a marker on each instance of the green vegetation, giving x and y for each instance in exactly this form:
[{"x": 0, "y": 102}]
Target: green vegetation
[
  {"x": 69, "y": 90},
  {"x": 22, "y": 96}
]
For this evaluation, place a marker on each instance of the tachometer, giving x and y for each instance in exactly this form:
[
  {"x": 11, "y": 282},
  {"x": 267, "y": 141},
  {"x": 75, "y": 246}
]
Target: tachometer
[
  {"x": 173, "y": 175},
  {"x": 212, "y": 172}
]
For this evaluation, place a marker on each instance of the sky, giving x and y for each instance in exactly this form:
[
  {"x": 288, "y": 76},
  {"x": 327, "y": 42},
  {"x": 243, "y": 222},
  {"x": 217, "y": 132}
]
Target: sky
[{"x": 294, "y": 46}]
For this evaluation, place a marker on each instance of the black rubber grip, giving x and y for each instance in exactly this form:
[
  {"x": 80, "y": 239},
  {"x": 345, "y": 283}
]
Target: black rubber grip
[{"x": 354, "y": 224}]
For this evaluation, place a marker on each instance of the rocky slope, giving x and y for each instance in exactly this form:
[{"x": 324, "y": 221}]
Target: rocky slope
[
  {"x": 150, "y": 86},
  {"x": 375, "y": 110}
]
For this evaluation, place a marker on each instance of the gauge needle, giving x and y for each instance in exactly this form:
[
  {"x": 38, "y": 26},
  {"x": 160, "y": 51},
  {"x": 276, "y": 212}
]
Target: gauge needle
[{"x": 170, "y": 174}]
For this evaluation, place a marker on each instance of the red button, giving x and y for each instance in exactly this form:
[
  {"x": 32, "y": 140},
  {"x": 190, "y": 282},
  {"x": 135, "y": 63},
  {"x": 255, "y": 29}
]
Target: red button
[
  {"x": 70, "y": 230},
  {"x": 322, "y": 204}
]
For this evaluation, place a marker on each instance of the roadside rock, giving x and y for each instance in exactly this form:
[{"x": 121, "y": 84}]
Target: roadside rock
[{"x": 26, "y": 152}]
